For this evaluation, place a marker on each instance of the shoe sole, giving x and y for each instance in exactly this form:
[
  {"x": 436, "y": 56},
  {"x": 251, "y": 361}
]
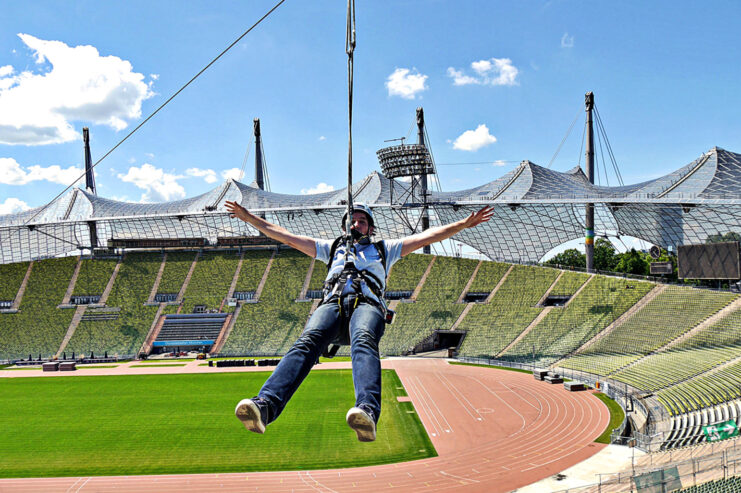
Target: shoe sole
[
  {"x": 363, "y": 425},
  {"x": 249, "y": 414}
]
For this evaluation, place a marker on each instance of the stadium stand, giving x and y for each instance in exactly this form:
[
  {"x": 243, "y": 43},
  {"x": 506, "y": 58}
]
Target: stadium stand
[
  {"x": 124, "y": 334},
  {"x": 406, "y": 273},
  {"x": 253, "y": 267},
  {"x": 271, "y": 325},
  {"x": 39, "y": 326},
  {"x": 177, "y": 267},
  {"x": 435, "y": 308},
  {"x": 492, "y": 326},
  {"x": 729, "y": 485},
  {"x": 177, "y": 329},
  {"x": 632, "y": 340},
  {"x": 211, "y": 280},
  {"x": 12, "y": 276},
  {"x": 569, "y": 283},
  {"x": 93, "y": 276}
]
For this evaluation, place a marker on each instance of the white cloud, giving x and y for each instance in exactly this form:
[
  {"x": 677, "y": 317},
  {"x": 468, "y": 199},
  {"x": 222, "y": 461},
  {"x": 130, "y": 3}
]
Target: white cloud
[
  {"x": 13, "y": 205},
  {"x": 12, "y": 173},
  {"x": 158, "y": 186},
  {"x": 322, "y": 138},
  {"x": 233, "y": 173},
  {"x": 405, "y": 84},
  {"x": 499, "y": 162},
  {"x": 320, "y": 188},
  {"x": 567, "y": 41},
  {"x": 70, "y": 84},
  {"x": 208, "y": 175},
  {"x": 473, "y": 140},
  {"x": 491, "y": 72}
]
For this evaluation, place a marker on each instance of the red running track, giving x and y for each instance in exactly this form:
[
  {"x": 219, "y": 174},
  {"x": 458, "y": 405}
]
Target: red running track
[{"x": 493, "y": 430}]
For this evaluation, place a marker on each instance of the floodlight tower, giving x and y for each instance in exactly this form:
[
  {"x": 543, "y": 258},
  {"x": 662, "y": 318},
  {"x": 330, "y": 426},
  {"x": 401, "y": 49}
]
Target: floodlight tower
[
  {"x": 589, "y": 220},
  {"x": 412, "y": 161}
]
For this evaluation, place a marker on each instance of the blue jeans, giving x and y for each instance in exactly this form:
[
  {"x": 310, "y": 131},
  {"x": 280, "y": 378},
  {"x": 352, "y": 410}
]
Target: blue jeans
[{"x": 366, "y": 328}]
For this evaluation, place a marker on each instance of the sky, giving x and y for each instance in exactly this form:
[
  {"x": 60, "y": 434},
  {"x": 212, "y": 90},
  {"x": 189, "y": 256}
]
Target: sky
[{"x": 499, "y": 81}]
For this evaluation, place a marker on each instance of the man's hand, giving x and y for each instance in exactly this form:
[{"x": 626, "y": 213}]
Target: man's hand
[
  {"x": 476, "y": 218},
  {"x": 236, "y": 210}
]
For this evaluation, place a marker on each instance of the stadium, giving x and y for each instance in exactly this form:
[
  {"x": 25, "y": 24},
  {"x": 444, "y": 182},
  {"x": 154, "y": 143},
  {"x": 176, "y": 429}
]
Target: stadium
[
  {"x": 129, "y": 330},
  {"x": 90, "y": 283}
]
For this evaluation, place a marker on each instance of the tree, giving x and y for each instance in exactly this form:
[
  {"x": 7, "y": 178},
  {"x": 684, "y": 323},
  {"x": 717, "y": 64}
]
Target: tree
[
  {"x": 717, "y": 238},
  {"x": 604, "y": 255},
  {"x": 569, "y": 258},
  {"x": 633, "y": 262}
]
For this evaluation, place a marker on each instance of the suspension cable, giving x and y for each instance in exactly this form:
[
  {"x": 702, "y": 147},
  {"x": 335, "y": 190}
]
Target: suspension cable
[
  {"x": 160, "y": 107},
  {"x": 568, "y": 132},
  {"x": 350, "y": 50}
]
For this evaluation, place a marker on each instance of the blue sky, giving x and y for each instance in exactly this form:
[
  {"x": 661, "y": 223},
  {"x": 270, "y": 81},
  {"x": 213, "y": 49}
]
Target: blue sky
[{"x": 499, "y": 81}]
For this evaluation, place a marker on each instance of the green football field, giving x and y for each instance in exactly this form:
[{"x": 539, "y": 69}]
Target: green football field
[{"x": 158, "y": 424}]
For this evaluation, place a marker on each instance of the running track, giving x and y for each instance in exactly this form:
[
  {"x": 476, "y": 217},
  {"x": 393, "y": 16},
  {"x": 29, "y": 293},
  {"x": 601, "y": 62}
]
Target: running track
[{"x": 493, "y": 431}]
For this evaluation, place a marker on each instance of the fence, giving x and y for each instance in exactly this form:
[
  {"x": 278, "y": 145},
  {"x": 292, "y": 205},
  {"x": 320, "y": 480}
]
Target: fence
[{"x": 671, "y": 475}]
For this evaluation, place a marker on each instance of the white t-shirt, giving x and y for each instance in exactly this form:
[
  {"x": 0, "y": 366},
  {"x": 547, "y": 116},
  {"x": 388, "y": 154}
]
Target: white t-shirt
[{"x": 366, "y": 258}]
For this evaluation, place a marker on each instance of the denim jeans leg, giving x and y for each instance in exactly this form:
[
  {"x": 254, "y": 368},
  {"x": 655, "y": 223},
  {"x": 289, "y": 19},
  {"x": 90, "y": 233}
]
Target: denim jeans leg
[
  {"x": 366, "y": 329},
  {"x": 298, "y": 361}
]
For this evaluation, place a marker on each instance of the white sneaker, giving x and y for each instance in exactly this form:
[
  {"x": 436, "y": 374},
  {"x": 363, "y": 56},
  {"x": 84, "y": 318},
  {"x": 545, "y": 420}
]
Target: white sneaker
[
  {"x": 249, "y": 414},
  {"x": 362, "y": 423}
]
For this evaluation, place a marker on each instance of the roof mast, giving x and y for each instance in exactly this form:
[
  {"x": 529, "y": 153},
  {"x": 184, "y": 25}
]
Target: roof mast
[
  {"x": 423, "y": 178},
  {"x": 259, "y": 164},
  {"x": 589, "y": 220},
  {"x": 89, "y": 174}
]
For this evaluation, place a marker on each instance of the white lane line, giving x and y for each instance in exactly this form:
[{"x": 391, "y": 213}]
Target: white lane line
[
  {"x": 83, "y": 484},
  {"x": 460, "y": 478},
  {"x": 436, "y": 429},
  {"x": 458, "y": 396},
  {"x": 447, "y": 427}
]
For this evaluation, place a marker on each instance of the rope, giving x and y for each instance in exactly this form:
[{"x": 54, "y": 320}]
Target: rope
[
  {"x": 160, "y": 108},
  {"x": 349, "y": 49}
]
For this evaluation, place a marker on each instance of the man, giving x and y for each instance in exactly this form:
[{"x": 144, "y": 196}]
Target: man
[{"x": 352, "y": 306}]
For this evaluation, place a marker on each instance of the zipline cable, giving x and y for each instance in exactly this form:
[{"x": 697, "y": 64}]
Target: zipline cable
[{"x": 350, "y": 50}]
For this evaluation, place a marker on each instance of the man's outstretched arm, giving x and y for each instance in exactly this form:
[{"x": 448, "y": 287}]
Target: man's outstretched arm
[
  {"x": 303, "y": 244},
  {"x": 415, "y": 242}
]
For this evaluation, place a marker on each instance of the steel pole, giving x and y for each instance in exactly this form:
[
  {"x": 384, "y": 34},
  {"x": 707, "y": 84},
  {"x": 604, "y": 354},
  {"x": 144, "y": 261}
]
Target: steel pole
[{"x": 589, "y": 220}]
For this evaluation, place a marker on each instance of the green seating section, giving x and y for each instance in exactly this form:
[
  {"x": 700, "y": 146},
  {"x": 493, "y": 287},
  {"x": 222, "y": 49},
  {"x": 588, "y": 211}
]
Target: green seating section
[
  {"x": 39, "y": 326},
  {"x": 569, "y": 283},
  {"x": 670, "y": 367},
  {"x": 709, "y": 389},
  {"x": 407, "y": 272},
  {"x": 12, "y": 277},
  {"x": 729, "y": 485},
  {"x": 488, "y": 276},
  {"x": 436, "y": 307},
  {"x": 271, "y": 325},
  {"x": 565, "y": 329},
  {"x": 210, "y": 281},
  {"x": 93, "y": 277},
  {"x": 654, "y": 325},
  {"x": 176, "y": 269},
  {"x": 318, "y": 275},
  {"x": 124, "y": 335},
  {"x": 724, "y": 332},
  {"x": 254, "y": 264},
  {"x": 491, "y": 327}
]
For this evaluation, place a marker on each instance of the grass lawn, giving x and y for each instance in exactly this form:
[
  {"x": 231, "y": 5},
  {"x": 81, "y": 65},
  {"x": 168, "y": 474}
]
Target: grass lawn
[
  {"x": 616, "y": 417},
  {"x": 169, "y": 424}
]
